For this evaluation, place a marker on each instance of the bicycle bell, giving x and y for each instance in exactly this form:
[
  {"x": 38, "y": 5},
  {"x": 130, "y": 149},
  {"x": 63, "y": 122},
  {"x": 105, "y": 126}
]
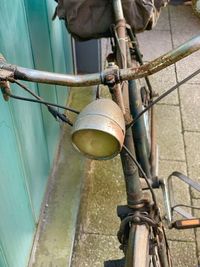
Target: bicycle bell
[{"x": 99, "y": 130}]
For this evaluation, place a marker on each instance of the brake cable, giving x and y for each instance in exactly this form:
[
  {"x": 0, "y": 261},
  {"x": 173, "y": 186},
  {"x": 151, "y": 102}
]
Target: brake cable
[
  {"x": 41, "y": 102},
  {"x": 50, "y": 106}
]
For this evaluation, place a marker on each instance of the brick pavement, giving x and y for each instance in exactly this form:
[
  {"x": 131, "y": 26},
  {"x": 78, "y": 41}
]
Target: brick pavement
[{"x": 179, "y": 145}]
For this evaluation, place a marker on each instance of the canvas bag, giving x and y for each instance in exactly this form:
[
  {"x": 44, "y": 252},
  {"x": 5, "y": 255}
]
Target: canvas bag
[{"x": 90, "y": 19}]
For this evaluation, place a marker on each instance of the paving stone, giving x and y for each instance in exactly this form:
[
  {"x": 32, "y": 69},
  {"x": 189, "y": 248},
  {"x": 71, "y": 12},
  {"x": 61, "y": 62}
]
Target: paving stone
[
  {"x": 92, "y": 250},
  {"x": 182, "y": 30},
  {"x": 187, "y": 66},
  {"x": 190, "y": 106},
  {"x": 183, "y": 254},
  {"x": 105, "y": 190},
  {"x": 170, "y": 139},
  {"x": 164, "y": 80},
  {"x": 166, "y": 167},
  {"x": 180, "y": 189},
  {"x": 179, "y": 38},
  {"x": 163, "y": 21},
  {"x": 180, "y": 35},
  {"x": 192, "y": 145},
  {"x": 183, "y": 22},
  {"x": 154, "y": 43}
]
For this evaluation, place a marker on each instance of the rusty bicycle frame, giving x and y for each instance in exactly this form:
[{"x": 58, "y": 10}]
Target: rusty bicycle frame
[{"x": 111, "y": 76}]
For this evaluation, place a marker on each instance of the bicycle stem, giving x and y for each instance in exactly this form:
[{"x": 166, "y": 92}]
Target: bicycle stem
[{"x": 150, "y": 68}]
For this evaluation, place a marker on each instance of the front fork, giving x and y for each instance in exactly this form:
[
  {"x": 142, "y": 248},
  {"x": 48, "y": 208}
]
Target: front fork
[
  {"x": 129, "y": 96},
  {"x": 131, "y": 175},
  {"x": 137, "y": 142},
  {"x": 135, "y": 138}
]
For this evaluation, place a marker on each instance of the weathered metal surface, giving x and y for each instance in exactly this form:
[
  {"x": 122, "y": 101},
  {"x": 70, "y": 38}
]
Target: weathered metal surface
[
  {"x": 118, "y": 98},
  {"x": 102, "y": 115},
  {"x": 57, "y": 78}
]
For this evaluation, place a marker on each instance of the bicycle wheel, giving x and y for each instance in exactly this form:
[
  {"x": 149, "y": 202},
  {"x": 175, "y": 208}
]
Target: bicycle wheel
[
  {"x": 144, "y": 249},
  {"x": 137, "y": 253}
]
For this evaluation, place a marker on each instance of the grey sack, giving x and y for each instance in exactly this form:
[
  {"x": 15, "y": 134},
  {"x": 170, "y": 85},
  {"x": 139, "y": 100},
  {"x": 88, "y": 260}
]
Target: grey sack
[{"x": 90, "y": 19}]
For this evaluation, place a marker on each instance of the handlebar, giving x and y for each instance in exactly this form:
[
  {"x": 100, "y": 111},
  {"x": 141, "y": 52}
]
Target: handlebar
[{"x": 8, "y": 71}]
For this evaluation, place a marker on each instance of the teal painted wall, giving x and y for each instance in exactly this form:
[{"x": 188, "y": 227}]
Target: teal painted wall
[{"x": 28, "y": 133}]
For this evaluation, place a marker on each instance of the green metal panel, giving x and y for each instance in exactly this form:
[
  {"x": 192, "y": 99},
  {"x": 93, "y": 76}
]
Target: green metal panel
[
  {"x": 67, "y": 48},
  {"x": 3, "y": 262},
  {"x": 17, "y": 223},
  {"x": 42, "y": 54},
  {"x": 59, "y": 49},
  {"x": 28, "y": 133},
  {"x": 27, "y": 118},
  {"x": 49, "y": 54}
]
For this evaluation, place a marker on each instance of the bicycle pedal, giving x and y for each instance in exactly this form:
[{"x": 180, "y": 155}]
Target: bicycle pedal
[
  {"x": 186, "y": 224},
  {"x": 115, "y": 263}
]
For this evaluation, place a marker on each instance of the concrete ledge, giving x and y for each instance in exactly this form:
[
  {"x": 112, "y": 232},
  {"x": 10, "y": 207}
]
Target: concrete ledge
[{"x": 54, "y": 243}]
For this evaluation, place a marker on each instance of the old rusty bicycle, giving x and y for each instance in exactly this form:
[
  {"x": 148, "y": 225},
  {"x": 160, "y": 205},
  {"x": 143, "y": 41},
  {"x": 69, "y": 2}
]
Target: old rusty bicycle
[{"x": 124, "y": 125}]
